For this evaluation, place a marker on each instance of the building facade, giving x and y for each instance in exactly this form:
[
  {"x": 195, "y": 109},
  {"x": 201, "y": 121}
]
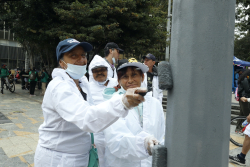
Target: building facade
[{"x": 11, "y": 52}]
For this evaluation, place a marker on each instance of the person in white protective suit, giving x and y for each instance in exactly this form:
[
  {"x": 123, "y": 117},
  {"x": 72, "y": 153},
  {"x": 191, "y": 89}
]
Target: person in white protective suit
[
  {"x": 64, "y": 138},
  {"x": 129, "y": 140},
  {"x": 112, "y": 52},
  {"x": 99, "y": 71}
]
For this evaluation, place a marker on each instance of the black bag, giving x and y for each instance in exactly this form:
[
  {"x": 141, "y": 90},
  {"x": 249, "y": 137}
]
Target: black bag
[{"x": 32, "y": 76}]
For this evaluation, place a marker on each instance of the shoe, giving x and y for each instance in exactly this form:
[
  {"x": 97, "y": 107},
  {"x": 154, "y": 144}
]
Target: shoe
[
  {"x": 241, "y": 133},
  {"x": 2, "y": 91},
  {"x": 237, "y": 160}
]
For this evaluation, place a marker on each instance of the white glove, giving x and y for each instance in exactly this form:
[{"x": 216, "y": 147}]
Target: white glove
[
  {"x": 131, "y": 98},
  {"x": 149, "y": 143},
  {"x": 248, "y": 99}
]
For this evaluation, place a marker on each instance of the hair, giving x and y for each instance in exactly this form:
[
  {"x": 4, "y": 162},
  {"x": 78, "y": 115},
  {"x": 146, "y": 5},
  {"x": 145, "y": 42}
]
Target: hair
[
  {"x": 243, "y": 75},
  {"x": 59, "y": 62},
  {"x": 44, "y": 69},
  {"x": 106, "y": 52},
  {"x": 123, "y": 71}
]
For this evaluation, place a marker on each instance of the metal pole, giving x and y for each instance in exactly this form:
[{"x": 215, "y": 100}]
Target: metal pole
[
  {"x": 198, "y": 112},
  {"x": 8, "y": 52},
  {"x": 167, "y": 57}
]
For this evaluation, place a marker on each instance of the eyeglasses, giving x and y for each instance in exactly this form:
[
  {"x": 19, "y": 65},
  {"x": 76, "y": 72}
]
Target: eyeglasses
[{"x": 97, "y": 70}]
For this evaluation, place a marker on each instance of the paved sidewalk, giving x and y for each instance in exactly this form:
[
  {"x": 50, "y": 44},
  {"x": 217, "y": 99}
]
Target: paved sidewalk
[{"x": 18, "y": 140}]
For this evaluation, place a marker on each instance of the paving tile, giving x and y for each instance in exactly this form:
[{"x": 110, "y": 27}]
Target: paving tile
[
  {"x": 22, "y": 133},
  {"x": 3, "y": 156},
  {"x": 32, "y": 145},
  {"x": 5, "y": 142},
  {"x": 14, "y": 162},
  {"x": 19, "y": 126},
  {"x": 10, "y": 150},
  {"x": 35, "y": 136},
  {"x": 6, "y": 134},
  {"x": 29, "y": 158},
  {"x": 23, "y": 150},
  {"x": 17, "y": 140}
]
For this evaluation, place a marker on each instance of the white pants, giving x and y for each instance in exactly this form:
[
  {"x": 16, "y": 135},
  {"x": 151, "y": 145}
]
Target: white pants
[
  {"x": 48, "y": 158},
  {"x": 247, "y": 130}
]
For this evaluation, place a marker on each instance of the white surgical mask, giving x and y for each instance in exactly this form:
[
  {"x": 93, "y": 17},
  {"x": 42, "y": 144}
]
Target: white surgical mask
[
  {"x": 101, "y": 83},
  {"x": 75, "y": 71},
  {"x": 114, "y": 61}
]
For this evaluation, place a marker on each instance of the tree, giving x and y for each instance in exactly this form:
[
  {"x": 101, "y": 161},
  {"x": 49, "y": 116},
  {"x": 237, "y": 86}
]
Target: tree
[
  {"x": 137, "y": 26},
  {"x": 242, "y": 48}
]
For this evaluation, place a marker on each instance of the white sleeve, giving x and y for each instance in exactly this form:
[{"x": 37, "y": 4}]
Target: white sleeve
[
  {"x": 162, "y": 128},
  {"x": 160, "y": 95},
  {"x": 74, "y": 109},
  {"x": 123, "y": 144}
]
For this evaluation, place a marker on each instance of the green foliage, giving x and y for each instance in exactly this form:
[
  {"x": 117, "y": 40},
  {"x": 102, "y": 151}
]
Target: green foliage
[
  {"x": 242, "y": 26},
  {"x": 242, "y": 48},
  {"x": 137, "y": 26}
]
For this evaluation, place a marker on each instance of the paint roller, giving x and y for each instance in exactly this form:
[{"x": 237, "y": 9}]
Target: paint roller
[{"x": 159, "y": 152}]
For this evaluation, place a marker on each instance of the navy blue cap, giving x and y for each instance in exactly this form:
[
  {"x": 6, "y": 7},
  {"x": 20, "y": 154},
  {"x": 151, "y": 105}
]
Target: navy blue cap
[
  {"x": 68, "y": 44},
  {"x": 149, "y": 56}
]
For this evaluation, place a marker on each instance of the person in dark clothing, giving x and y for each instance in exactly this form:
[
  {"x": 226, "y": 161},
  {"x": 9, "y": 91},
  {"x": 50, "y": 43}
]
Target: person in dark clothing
[
  {"x": 244, "y": 94},
  {"x": 22, "y": 78},
  {"x": 4, "y": 76},
  {"x": 151, "y": 77},
  {"x": 44, "y": 80},
  {"x": 33, "y": 76}
]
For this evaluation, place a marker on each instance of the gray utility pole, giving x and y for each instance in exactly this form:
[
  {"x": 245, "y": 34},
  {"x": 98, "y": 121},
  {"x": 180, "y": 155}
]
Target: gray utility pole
[
  {"x": 167, "y": 57},
  {"x": 198, "y": 113}
]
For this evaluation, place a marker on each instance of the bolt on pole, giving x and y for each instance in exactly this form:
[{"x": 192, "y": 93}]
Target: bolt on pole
[{"x": 199, "y": 105}]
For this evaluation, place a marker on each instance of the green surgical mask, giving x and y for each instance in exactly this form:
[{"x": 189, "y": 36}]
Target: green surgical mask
[{"x": 108, "y": 93}]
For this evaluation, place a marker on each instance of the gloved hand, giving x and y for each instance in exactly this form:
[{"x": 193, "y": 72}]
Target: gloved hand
[
  {"x": 149, "y": 143},
  {"x": 131, "y": 98}
]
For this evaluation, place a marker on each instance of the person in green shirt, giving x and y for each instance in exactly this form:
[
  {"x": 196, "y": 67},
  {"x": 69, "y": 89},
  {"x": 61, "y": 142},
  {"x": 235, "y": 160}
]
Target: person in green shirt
[
  {"x": 32, "y": 80},
  {"x": 44, "y": 80},
  {"x": 4, "y": 74}
]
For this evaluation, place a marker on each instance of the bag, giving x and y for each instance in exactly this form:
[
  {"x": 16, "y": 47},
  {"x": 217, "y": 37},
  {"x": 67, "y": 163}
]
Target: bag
[
  {"x": 237, "y": 98},
  {"x": 17, "y": 76},
  {"x": 43, "y": 75},
  {"x": 93, "y": 155},
  {"x": 245, "y": 128},
  {"x": 32, "y": 76}
]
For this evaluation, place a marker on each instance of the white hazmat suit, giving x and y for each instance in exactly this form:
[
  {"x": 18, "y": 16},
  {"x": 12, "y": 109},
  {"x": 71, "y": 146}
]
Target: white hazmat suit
[
  {"x": 125, "y": 138},
  {"x": 96, "y": 92},
  {"x": 64, "y": 138},
  {"x": 111, "y": 73},
  {"x": 156, "y": 92}
]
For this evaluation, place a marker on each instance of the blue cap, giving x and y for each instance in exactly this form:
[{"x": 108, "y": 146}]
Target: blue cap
[
  {"x": 68, "y": 44},
  {"x": 149, "y": 56}
]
